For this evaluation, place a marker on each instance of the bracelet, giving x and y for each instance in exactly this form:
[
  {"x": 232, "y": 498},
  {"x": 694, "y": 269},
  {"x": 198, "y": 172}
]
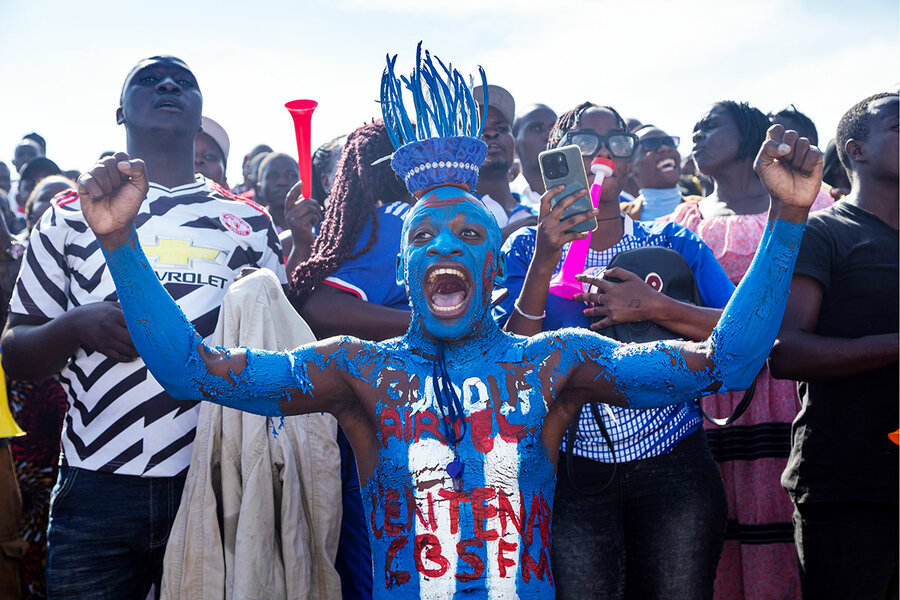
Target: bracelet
[{"x": 526, "y": 315}]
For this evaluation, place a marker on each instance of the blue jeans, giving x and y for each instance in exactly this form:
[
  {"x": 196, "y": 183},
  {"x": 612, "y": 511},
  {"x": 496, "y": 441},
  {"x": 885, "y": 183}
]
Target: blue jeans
[
  {"x": 108, "y": 534},
  {"x": 655, "y": 532},
  {"x": 354, "y": 556}
]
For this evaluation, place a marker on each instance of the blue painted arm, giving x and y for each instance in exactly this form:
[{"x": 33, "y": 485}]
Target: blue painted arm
[
  {"x": 250, "y": 380},
  {"x": 669, "y": 372}
]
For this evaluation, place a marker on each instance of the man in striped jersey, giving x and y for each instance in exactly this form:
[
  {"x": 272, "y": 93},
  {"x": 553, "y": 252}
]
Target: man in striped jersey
[
  {"x": 456, "y": 424},
  {"x": 126, "y": 443}
]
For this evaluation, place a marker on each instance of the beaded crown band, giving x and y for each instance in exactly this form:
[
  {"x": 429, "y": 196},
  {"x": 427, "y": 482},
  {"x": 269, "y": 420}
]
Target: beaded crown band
[{"x": 441, "y": 146}]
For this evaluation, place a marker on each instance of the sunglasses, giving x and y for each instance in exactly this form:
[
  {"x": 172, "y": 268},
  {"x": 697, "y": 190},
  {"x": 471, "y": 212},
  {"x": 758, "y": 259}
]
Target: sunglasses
[
  {"x": 619, "y": 144},
  {"x": 654, "y": 143}
]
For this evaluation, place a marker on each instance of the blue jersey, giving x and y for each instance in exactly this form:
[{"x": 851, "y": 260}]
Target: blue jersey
[
  {"x": 635, "y": 434},
  {"x": 373, "y": 276}
]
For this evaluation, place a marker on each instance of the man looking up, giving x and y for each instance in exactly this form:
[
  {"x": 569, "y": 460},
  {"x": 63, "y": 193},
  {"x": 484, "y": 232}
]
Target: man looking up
[
  {"x": 126, "y": 444},
  {"x": 508, "y": 208},
  {"x": 531, "y": 130},
  {"x": 839, "y": 340}
]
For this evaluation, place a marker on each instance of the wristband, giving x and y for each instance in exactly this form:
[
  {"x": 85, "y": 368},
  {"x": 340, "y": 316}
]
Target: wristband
[{"x": 526, "y": 315}]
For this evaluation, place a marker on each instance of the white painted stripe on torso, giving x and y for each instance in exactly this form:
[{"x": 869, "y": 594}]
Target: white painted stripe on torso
[
  {"x": 428, "y": 460},
  {"x": 501, "y": 472}
]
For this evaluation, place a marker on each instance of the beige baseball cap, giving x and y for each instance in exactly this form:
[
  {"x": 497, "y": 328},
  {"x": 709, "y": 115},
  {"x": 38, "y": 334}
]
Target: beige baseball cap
[
  {"x": 499, "y": 98},
  {"x": 217, "y": 133}
]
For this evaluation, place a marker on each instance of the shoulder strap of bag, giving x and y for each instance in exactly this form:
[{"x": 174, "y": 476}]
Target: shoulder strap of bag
[{"x": 570, "y": 446}]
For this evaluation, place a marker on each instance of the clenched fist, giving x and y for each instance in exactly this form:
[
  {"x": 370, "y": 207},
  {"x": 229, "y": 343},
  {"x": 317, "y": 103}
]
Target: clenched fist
[
  {"x": 111, "y": 195},
  {"x": 790, "y": 168}
]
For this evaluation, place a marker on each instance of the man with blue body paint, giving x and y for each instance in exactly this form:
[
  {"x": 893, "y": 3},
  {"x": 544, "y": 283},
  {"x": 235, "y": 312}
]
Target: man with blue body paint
[{"x": 456, "y": 424}]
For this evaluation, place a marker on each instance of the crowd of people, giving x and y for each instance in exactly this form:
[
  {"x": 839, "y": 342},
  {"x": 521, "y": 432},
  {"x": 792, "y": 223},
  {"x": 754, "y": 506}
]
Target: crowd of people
[{"x": 797, "y": 497}]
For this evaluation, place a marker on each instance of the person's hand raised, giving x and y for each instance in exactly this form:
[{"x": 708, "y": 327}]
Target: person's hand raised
[
  {"x": 111, "y": 194},
  {"x": 790, "y": 168},
  {"x": 552, "y": 231},
  {"x": 302, "y": 215}
]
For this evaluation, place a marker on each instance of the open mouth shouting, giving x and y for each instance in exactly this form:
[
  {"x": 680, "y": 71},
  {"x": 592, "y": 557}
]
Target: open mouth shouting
[
  {"x": 448, "y": 290},
  {"x": 666, "y": 165}
]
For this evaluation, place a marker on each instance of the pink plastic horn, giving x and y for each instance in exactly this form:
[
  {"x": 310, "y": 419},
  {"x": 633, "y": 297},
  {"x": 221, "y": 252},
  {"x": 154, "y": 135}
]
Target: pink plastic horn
[
  {"x": 301, "y": 111},
  {"x": 564, "y": 283}
]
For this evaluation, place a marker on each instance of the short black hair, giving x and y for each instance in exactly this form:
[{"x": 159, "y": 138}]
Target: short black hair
[
  {"x": 517, "y": 122},
  {"x": 752, "y": 124},
  {"x": 804, "y": 125},
  {"x": 144, "y": 62},
  {"x": 259, "y": 149},
  {"x": 854, "y": 125},
  {"x": 269, "y": 158},
  {"x": 38, "y": 139}
]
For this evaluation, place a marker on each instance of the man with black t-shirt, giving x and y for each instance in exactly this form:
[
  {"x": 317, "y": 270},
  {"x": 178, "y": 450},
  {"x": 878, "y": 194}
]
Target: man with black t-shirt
[
  {"x": 840, "y": 340},
  {"x": 126, "y": 443}
]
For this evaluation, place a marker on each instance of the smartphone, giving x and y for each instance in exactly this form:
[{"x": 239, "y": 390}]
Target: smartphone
[{"x": 564, "y": 166}]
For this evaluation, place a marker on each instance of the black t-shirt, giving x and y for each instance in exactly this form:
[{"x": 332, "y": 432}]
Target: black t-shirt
[{"x": 840, "y": 450}]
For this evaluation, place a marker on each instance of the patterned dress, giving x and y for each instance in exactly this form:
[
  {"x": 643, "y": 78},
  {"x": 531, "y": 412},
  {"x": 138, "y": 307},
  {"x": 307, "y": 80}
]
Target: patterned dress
[
  {"x": 759, "y": 560},
  {"x": 39, "y": 409}
]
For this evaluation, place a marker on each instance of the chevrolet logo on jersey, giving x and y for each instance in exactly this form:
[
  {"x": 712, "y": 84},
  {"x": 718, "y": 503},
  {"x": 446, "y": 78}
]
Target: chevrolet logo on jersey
[{"x": 180, "y": 253}]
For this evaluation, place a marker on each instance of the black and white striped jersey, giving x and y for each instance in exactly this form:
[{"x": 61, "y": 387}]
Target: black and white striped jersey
[{"x": 197, "y": 240}]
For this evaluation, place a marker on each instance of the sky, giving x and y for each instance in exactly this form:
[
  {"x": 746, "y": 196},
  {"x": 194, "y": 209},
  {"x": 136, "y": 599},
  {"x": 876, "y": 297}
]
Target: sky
[{"x": 659, "y": 61}]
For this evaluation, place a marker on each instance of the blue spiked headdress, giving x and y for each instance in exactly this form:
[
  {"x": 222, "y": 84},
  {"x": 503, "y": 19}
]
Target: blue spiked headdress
[{"x": 442, "y": 145}]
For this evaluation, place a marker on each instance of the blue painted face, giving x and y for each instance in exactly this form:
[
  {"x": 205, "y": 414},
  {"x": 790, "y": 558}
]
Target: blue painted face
[{"x": 449, "y": 257}]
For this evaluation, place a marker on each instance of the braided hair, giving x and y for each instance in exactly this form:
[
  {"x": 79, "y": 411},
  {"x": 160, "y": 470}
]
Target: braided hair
[
  {"x": 359, "y": 188},
  {"x": 569, "y": 121},
  {"x": 751, "y": 123}
]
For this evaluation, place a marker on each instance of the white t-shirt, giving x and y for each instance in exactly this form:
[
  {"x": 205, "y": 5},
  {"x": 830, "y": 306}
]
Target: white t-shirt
[
  {"x": 520, "y": 186},
  {"x": 521, "y": 212},
  {"x": 119, "y": 418}
]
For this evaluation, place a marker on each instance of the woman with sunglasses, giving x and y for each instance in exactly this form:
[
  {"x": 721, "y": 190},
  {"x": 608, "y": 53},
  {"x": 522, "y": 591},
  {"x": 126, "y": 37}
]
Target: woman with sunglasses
[
  {"x": 656, "y": 169},
  {"x": 643, "y": 514},
  {"x": 758, "y": 559}
]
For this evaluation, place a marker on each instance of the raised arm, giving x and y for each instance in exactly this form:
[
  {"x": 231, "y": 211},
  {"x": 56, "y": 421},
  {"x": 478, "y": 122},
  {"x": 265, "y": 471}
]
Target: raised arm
[
  {"x": 660, "y": 373},
  {"x": 552, "y": 235},
  {"x": 262, "y": 382}
]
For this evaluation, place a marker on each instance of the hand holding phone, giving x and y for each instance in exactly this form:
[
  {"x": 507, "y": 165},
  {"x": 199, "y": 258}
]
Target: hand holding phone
[{"x": 564, "y": 166}]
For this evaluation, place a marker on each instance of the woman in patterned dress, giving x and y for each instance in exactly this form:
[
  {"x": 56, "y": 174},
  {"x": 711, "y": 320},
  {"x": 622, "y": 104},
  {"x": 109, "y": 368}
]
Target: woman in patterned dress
[{"x": 758, "y": 559}]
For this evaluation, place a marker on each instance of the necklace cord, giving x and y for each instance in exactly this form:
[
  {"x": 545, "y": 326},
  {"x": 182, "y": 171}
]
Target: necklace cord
[{"x": 448, "y": 400}]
